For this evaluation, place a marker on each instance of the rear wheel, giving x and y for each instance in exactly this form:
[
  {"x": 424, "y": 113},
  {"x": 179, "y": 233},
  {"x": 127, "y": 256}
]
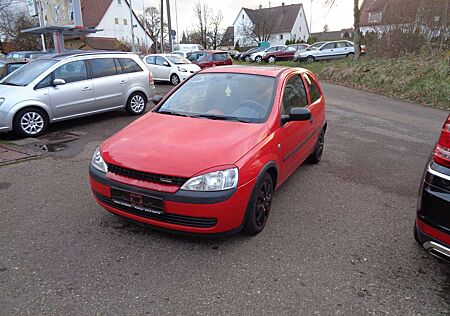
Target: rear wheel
[
  {"x": 310, "y": 59},
  {"x": 316, "y": 155},
  {"x": 272, "y": 59},
  {"x": 258, "y": 59},
  {"x": 259, "y": 206},
  {"x": 247, "y": 58},
  {"x": 30, "y": 122},
  {"x": 136, "y": 103},
  {"x": 351, "y": 55},
  {"x": 174, "y": 79}
]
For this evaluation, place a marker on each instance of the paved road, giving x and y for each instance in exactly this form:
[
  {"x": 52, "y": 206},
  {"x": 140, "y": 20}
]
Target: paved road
[{"x": 339, "y": 239}]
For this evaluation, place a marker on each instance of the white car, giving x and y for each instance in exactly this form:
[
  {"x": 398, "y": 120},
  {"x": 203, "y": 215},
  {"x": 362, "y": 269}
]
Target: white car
[
  {"x": 180, "y": 53},
  {"x": 258, "y": 56},
  {"x": 170, "y": 67},
  {"x": 329, "y": 50}
]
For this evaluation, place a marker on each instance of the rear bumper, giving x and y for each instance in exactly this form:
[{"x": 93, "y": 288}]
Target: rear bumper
[{"x": 209, "y": 213}]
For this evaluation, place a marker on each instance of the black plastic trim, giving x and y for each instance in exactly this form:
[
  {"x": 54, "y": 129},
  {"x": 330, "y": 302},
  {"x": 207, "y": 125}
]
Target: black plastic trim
[{"x": 181, "y": 196}]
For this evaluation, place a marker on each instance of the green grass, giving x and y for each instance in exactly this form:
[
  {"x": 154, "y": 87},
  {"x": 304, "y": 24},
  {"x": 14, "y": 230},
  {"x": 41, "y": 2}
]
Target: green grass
[{"x": 415, "y": 78}]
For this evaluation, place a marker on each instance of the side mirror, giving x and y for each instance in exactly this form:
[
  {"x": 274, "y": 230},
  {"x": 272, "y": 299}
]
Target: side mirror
[
  {"x": 156, "y": 99},
  {"x": 166, "y": 64},
  {"x": 297, "y": 114},
  {"x": 58, "y": 82}
]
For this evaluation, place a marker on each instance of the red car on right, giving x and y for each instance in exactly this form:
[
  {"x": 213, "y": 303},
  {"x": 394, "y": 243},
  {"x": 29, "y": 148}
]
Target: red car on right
[
  {"x": 210, "y": 58},
  {"x": 432, "y": 229}
]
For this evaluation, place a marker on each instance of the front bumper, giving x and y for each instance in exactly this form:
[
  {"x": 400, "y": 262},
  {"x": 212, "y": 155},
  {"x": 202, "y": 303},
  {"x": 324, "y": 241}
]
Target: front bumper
[
  {"x": 207, "y": 213},
  {"x": 185, "y": 75},
  {"x": 5, "y": 124}
]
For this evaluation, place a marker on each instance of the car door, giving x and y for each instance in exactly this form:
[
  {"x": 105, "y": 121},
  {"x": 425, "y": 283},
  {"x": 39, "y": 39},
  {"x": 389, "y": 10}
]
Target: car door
[
  {"x": 150, "y": 62},
  {"x": 287, "y": 53},
  {"x": 326, "y": 52},
  {"x": 341, "y": 50},
  {"x": 294, "y": 144},
  {"x": 162, "y": 68},
  {"x": 76, "y": 95},
  {"x": 316, "y": 104},
  {"x": 109, "y": 83}
]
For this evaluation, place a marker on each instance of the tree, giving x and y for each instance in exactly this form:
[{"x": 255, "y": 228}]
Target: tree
[
  {"x": 215, "y": 36},
  {"x": 11, "y": 25},
  {"x": 356, "y": 17},
  {"x": 183, "y": 38},
  {"x": 152, "y": 22},
  {"x": 202, "y": 14},
  {"x": 261, "y": 26},
  {"x": 325, "y": 28}
]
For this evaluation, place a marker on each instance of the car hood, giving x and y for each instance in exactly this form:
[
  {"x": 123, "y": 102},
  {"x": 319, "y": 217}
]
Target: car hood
[
  {"x": 180, "y": 146},
  {"x": 189, "y": 67},
  {"x": 11, "y": 93}
]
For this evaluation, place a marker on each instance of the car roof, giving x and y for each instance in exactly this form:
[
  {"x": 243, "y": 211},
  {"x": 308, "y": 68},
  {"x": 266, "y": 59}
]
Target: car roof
[
  {"x": 62, "y": 56},
  {"x": 13, "y": 60},
  {"x": 252, "y": 70}
]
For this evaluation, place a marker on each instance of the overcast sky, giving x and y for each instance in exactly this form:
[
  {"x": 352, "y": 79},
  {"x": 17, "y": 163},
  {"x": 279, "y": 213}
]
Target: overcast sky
[{"x": 338, "y": 17}]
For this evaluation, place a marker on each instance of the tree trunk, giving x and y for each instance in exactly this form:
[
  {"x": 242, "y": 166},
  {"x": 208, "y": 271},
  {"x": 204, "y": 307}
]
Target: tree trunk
[{"x": 357, "y": 39}]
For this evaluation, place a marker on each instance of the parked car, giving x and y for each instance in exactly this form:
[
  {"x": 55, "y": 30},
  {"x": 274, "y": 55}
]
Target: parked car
[
  {"x": 209, "y": 157},
  {"x": 310, "y": 47},
  {"x": 8, "y": 65},
  {"x": 212, "y": 58},
  {"x": 63, "y": 86},
  {"x": 246, "y": 55},
  {"x": 25, "y": 54},
  {"x": 187, "y": 47},
  {"x": 180, "y": 53},
  {"x": 285, "y": 54},
  {"x": 170, "y": 67},
  {"x": 329, "y": 50},
  {"x": 258, "y": 56},
  {"x": 432, "y": 228},
  {"x": 233, "y": 53}
]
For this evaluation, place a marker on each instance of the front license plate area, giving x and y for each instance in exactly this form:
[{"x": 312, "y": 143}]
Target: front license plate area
[{"x": 139, "y": 202}]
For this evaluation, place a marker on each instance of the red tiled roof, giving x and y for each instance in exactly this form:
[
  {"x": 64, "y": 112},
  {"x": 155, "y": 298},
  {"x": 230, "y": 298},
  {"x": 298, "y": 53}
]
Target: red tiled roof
[{"x": 93, "y": 11}]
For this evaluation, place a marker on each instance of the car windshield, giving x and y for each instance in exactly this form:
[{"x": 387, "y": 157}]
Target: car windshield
[
  {"x": 177, "y": 60},
  {"x": 24, "y": 75},
  {"x": 223, "y": 96}
]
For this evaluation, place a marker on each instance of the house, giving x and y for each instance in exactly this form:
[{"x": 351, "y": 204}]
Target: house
[
  {"x": 274, "y": 25},
  {"x": 112, "y": 18},
  {"x": 430, "y": 17},
  {"x": 227, "y": 41},
  {"x": 333, "y": 35}
]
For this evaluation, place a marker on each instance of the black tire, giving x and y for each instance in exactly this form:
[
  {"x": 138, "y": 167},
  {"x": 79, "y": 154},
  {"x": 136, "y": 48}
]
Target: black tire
[
  {"x": 247, "y": 58},
  {"x": 310, "y": 60},
  {"x": 272, "y": 59},
  {"x": 136, "y": 104},
  {"x": 30, "y": 122},
  {"x": 258, "y": 207},
  {"x": 258, "y": 59},
  {"x": 316, "y": 155},
  {"x": 351, "y": 55},
  {"x": 174, "y": 79}
]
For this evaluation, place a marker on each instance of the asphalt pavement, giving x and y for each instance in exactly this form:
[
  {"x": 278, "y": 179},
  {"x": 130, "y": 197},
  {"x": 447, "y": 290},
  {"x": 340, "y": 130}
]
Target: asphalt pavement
[{"x": 338, "y": 241}]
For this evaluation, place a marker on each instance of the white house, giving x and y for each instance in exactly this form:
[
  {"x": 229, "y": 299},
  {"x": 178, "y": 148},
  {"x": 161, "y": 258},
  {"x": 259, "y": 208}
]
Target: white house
[
  {"x": 286, "y": 22},
  {"x": 113, "y": 18}
]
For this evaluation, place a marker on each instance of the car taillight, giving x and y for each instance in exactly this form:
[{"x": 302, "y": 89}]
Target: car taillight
[
  {"x": 150, "y": 79},
  {"x": 442, "y": 151}
]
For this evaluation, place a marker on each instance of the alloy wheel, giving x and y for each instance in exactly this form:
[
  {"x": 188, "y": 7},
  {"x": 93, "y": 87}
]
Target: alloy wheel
[
  {"x": 272, "y": 59},
  {"x": 263, "y": 203},
  {"x": 32, "y": 123},
  {"x": 175, "y": 80},
  {"x": 137, "y": 103}
]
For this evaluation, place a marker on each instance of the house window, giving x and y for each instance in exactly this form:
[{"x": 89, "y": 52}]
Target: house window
[
  {"x": 125, "y": 22},
  {"x": 242, "y": 16},
  {"x": 116, "y": 20},
  {"x": 375, "y": 17},
  {"x": 281, "y": 36}
]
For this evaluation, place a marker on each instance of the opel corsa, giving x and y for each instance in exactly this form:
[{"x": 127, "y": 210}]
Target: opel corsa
[{"x": 208, "y": 158}]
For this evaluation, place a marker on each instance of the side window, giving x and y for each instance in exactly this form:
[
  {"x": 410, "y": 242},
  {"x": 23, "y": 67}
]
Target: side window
[
  {"x": 160, "y": 61},
  {"x": 150, "y": 60},
  {"x": 348, "y": 44},
  {"x": 192, "y": 57},
  {"x": 71, "y": 72},
  {"x": 328, "y": 46},
  {"x": 314, "y": 92},
  {"x": 129, "y": 65},
  {"x": 46, "y": 82},
  {"x": 103, "y": 67},
  {"x": 294, "y": 94}
]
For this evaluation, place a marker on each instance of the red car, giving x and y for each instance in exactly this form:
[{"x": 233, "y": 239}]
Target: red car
[
  {"x": 285, "y": 54},
  {"x": 208, "y": 158},
  {"x": 210, "y": 58}
]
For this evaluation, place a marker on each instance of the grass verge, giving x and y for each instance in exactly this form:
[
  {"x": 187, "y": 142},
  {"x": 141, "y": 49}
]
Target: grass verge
[{"x": 415, "y": 78}]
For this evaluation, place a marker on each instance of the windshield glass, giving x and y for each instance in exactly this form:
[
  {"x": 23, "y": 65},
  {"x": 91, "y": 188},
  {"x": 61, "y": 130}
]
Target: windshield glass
[
  {"x": 177, "y": 60},
  {"x": 24, "y": 75},
  {"x": 223, "y": 96}
]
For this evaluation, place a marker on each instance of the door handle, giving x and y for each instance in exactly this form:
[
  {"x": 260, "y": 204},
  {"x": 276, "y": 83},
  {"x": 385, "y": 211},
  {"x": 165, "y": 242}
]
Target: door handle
[
  {"x": 86, "y": 89},
  {"x": 123, "y": 81}
]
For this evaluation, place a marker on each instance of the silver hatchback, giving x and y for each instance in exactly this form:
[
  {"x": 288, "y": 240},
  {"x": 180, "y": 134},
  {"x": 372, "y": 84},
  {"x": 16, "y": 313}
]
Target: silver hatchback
[{"x": 64, "y": 86}]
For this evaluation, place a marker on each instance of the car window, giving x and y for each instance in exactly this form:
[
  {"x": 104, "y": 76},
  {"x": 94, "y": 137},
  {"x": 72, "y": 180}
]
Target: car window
[
  {"x": 219, "y": 56},
  {"x": 348, "y": 44},
  {"x": 328, "y": 46},
  {"x": 103, "y": 67},
  {"x": 271, "y": 49},
  {"x": 192, "y": 57},
  {"x": 160, "y": 61},
  {"x": 290, "y": 49},
  {"x": 29, "y": 72},
  {"x": 14, "y": 67},
  {"x": 46, "y": 82},
  {"x": 341, "y": 45},
  {"x": 177, "y": 60},
  {"x": 71, "y": 72},
  {"x": 150, "y": 59},
  {"x": 129, "y": 65},
  {"x": 224, "y": 95},
  {"x": 202, "y": 56},
  {"x": 314, "y": 92},
  {"x": 294, "y": 94}
]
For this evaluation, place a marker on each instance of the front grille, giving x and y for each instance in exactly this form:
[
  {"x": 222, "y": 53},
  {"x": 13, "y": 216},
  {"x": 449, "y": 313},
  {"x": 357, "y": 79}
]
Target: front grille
[
  {"x": 164, "y": 217},
  {"x": 145, "y": 176}
]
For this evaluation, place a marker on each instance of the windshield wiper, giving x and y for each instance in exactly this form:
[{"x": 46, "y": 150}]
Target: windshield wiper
[
  {"x": 223, "y": 118},
  {"x": 10, "y": 84},
  {"x": 172, "y": 113}
]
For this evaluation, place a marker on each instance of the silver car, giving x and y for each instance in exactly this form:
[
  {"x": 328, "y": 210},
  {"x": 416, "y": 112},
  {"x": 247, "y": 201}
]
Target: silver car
[
  {"x": 328, "y": 50},
  {"x": 64, "y": 86}
]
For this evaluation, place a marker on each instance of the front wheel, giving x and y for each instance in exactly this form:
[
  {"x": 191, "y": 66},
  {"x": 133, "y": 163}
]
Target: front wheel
[
  {"x": 259, "y": 206},
  {"x": 316, "y": 155},
  {"x": 310, "y": 60},
  {"x": 30, "y": 122},
  {"x": 351, "y": 56},
  {"x": 247, "y": 58},
  {"x": 258, "y": 59},
  {"x": 136, "y": 103},
  {"x": 174, "y": 79},
  {"x": 272, "y": 59}
]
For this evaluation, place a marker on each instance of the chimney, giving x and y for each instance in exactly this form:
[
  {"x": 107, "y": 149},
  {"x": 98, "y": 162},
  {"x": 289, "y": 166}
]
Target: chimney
[
  {"x": 260, "y": 6},
  {"x": 282, "y": 4}
]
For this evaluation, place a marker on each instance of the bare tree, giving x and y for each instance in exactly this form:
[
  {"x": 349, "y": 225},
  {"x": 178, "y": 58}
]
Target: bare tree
[
  {"x": 4, "y": 4},
  {"x": 261, "y": 26},
  {"x": 203, "y": 16},
  {"x": 215, "y": 35},
  {"x": 152, "y": 21},
  {"x": 11, "y": 25}
]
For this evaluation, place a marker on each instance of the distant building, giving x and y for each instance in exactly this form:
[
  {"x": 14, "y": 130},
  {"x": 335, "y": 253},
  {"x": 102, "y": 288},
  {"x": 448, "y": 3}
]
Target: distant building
[
  {"x": 278, "y": 24},
  {"x": 333, "y": 35},
  {"x": 227, "y": 41}
]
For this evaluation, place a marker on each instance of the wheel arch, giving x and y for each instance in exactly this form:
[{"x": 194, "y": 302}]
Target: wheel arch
[{"x": 21, "y": 107}]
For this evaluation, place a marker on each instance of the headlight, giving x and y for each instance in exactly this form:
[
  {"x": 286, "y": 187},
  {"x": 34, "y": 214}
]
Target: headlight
[
  {"x": 98, "y": 162},
  {"x": 2, "y": 100},
  {"x": 213, "y": 181},
  {"x": 181, "y": 69}
]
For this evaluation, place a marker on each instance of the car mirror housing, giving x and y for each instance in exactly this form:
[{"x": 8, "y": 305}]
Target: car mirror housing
[
  {"x": 297, "y": 114},
  {"x": 166, "y": 64},
  {"x": 156, "y": 99},
  {"x": 58, "y": 82}
]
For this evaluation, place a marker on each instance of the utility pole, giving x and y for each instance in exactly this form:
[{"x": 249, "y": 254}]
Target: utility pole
[
  {"x": 132, "y": 27},
  {"x": 169, "y": 24},
  {"x": 310, "y": 20},
  {"x": 176, "y": 20},
  {"x": 162, "y": 26},
  {"x": 41, "y": 23}
]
